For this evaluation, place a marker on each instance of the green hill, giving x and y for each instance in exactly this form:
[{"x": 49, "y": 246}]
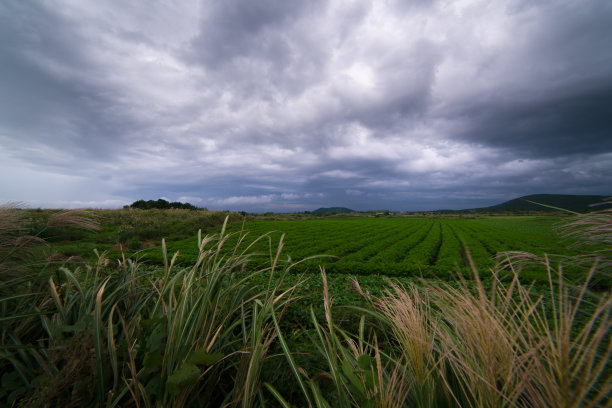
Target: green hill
[
  {"x": 578, "y": 203},
  {"x": 332, "y": 210}
]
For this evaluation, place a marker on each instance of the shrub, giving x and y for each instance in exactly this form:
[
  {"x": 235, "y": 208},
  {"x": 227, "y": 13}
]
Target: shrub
[{"x": 161, "y": 205}]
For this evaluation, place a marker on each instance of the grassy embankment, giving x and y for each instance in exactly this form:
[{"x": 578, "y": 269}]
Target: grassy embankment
[{"x": 220, "y": 332}]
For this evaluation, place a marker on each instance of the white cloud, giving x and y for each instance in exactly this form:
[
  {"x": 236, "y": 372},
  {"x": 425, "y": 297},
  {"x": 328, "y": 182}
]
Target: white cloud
[
  {"x": 245, "y": 200},
  {"x": 189, "y": 199},
  {"x": 290, "y": 196},
  {"x": 75, "y": 204},
  {"x": 340, "y": 174}
]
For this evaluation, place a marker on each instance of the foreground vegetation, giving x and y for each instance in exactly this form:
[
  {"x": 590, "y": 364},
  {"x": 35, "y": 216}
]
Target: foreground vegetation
[
  {"x": 391, "y": 246},
  {"x": 234, "y": 326}
]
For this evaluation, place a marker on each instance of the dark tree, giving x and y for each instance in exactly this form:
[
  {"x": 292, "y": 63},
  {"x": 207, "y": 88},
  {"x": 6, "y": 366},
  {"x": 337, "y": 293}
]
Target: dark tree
[{"x": 161, "y": 204}]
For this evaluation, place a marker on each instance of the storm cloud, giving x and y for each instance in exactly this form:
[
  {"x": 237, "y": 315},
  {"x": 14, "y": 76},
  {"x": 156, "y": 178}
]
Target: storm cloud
[{"x": 292, "y": 105}]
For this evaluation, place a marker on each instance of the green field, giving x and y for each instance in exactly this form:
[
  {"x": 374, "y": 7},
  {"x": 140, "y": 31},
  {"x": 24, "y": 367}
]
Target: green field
[
  {"x": 400, "y": 246},
  {"x": 393, "y": 246}
]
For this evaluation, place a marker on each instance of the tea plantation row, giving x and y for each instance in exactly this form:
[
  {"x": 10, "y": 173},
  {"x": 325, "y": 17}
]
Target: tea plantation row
[{"x": 397, "y": 246}]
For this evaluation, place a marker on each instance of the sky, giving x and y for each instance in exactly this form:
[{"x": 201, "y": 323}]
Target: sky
[{"x": 294, "y": 105}]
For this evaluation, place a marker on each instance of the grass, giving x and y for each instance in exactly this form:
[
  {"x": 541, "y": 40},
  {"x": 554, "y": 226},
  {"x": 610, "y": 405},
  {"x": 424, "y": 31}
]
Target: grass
[
  {"x": 163, "y": 336},
  {"x": 466, "y": 346},
  {"x": 240, "y": 327}
]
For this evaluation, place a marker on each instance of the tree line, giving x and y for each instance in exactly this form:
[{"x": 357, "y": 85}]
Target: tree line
[{"x": 161, "y": 204}]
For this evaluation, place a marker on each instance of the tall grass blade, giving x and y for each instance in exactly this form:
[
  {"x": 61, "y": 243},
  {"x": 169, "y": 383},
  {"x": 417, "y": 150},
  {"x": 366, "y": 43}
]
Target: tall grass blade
[
  {"x": 291, "y": 360},
  {"x": 277, "y": 395},
  {"x": 97, "y": 338}
]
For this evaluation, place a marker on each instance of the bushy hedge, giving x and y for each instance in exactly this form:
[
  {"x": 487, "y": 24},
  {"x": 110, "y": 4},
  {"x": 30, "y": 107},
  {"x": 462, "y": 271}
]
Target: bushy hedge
[{"x": 162, "y": 205}]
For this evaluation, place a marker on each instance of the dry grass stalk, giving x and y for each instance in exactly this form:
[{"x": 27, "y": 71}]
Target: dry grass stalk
[
  {"x": 572, "y": 362},
  {"x": 512, "y": 259},
  {"x": 593, "y": 228},
  {"x": 483, "y": 352},
  {"x": 327, "y": 301},
  {"x": 12, "y": 224},
  {"x": 414, "y": 327},
  {"x": 387, "y": 389},
  {"x": 15, "y": 246},
  {"x": 394, "y": 391},
  {"x": 355, "y": 287},
  {"x": 502, "y": 347},
  {"x": 75, "y": 218},
  {"x": 592, "y": 232}
]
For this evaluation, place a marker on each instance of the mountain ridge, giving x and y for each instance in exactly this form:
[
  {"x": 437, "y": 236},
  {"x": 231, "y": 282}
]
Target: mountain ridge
[
  {"x": 544, "y": 202},
  {"x": 332, "y": 210}
]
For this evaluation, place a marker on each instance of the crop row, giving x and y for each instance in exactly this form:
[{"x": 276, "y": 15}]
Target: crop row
[{"x": 397, "y": 246}]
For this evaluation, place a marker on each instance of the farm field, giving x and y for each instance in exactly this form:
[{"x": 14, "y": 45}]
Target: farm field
[
  {"x": 399, "y": 246},
  {"x": 396, "y": 246}
]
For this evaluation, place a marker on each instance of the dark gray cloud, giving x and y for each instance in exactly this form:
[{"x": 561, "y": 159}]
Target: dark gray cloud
[
  {"x": 545, "y": 127},
  {"x": 553, "y": 94},
  {"x": 275, "y": 105}
]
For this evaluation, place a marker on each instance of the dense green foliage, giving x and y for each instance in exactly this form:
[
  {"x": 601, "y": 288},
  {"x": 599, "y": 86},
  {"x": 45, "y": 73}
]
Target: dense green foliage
[
  {"x": 232, "y": 323},
  {"x": 161, "y": 204},
  {"x": 403, "y": 246},
  {"x": 129, "y": 230},
  {"x": 391, "y": 246}
]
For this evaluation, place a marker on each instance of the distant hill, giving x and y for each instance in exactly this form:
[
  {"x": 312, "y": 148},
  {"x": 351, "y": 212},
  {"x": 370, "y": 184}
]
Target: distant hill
[
  {"x": 332, "y": 210},
  {"x": 578, "y": 203}
]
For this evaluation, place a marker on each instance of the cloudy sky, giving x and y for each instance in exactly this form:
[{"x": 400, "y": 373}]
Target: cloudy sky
[{"x": 293, "y": 105}]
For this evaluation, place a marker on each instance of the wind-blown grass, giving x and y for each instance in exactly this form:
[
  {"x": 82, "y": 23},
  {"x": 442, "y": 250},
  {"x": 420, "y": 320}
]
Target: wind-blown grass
[
  {"x": 125, "y": 334},
  {"x": 591, "y": 233},
  {"x": 464, "y": 345}
]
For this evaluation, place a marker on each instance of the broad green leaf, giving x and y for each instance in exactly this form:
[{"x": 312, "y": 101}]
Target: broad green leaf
[
  {"x": 370, "y": 379},
  {"x": 369, "y": 403},
  {"x": 153, "y": 360},
  {"x": 364, "y": 362},
  {"x": 156, "y": 340},
  {"x": 150, "y": 323},
  {"x": 154, "y": 386},
  {"x": 347, "y": 369},
  {"x": 201, "y": 357},
  {"x": 188, "y": 374}
]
